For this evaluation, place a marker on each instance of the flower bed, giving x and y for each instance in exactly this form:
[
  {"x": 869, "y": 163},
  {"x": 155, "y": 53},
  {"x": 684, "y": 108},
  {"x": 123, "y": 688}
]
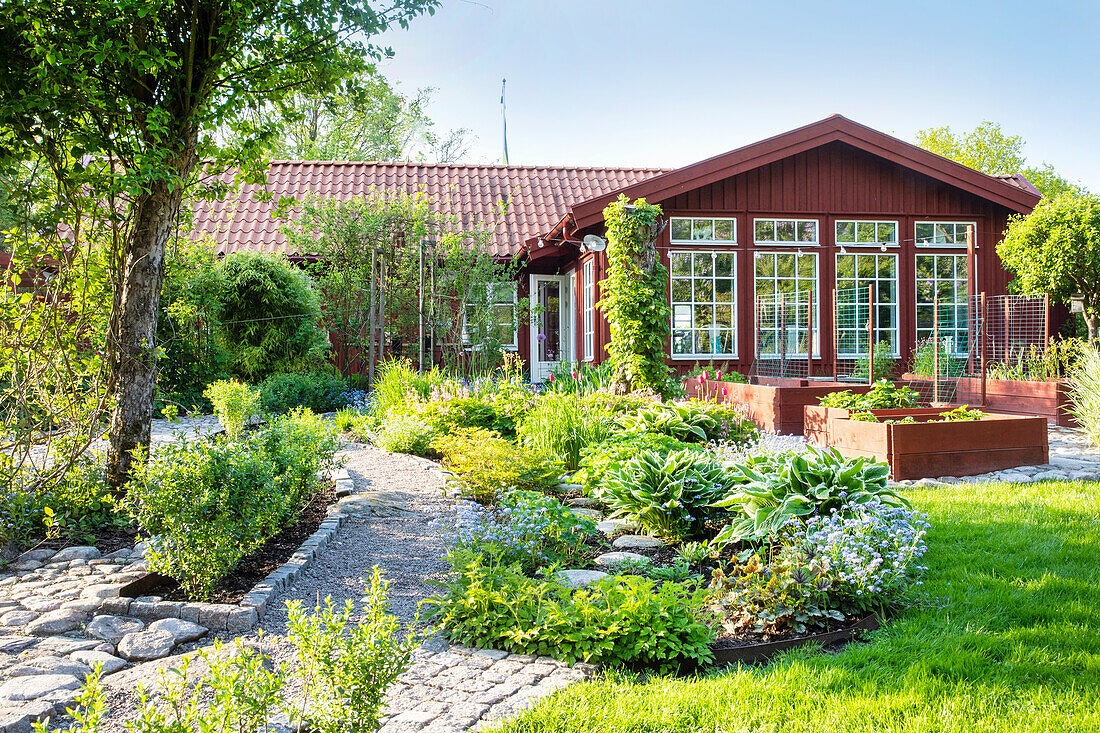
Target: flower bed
[
  {"x": 774, "y": 404},
  {"x": 1020, "y": 397},
  {"x": 817, "y": 419},
  {"x": 928, "y": 448}
]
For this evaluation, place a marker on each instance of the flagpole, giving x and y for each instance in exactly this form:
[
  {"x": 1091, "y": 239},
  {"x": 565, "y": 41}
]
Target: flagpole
[{"x": 504, "y": 119}]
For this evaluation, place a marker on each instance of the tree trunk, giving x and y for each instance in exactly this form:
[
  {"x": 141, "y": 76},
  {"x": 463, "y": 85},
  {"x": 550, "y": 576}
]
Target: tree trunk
[
  {"x": 133, "y": 347},
  {"x": 1092, "y": 320}
]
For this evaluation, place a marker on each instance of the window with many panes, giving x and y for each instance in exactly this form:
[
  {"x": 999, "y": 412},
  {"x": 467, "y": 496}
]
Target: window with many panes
[
  {"x": 783, "y": 277},
  {"x": 942, "y": 233},
  {"x": 703, "y": 230},
  {"x": 859, "y": 276},
  {"x": 704, "y": 312},
  {"x": 589, "y": 307},
  {"x": 502, "y": 321},
  {"x": 942, "y": 278},
  {"x": 785, "y": 231},
  {"x": 866, "y": 233}
]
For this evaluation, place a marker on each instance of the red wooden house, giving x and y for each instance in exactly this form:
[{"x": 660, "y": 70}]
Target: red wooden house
[{"x": 830, "y": 205}]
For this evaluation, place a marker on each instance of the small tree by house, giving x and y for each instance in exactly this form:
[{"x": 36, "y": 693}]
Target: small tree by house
[{"x": 1056, "y": 250}]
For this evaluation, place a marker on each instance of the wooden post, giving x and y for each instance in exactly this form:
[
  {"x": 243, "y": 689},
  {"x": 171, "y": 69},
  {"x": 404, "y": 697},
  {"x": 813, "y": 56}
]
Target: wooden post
[
  {"x": 870, "y": 334},
  {"x": 936, "y": 349},
  {"x": 1008, "y": 315},
  {"x": 372, "y": 318},
  {"x": 782, "y": 334},
  {"x": 420, "y": 310},
  {"x": 382, "y": 307},
  {"x": 985, "y": 341},
  {"x": 810, "y": 335},
  {"x": 971, "y": 288},
  {"x": 1046, "y": 321},
  {"x": 836, "y": 339}
]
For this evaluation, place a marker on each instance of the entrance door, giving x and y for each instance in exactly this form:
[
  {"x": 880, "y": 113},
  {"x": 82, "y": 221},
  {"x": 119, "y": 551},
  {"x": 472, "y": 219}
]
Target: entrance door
[{"x": 551, "y": 332}]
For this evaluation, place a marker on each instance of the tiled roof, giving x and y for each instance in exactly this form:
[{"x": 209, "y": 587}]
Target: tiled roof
[{"x": 535, "y": 197}]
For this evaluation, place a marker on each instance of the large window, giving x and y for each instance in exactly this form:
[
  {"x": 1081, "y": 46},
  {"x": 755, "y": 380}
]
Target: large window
[
  {"x": 589, "y": 298},
  {"x": 943, "y": 278},
  {"x": 785, "y": 231},
  {"x": 501, "y": 302},
  {"x": 704, "y": 230},
  {"x": 857, "y": 276},
  {"x": 942, "y": 233},
  {"x": 866, "y": 233},
  {"x": 784, "y": 283},
  {"x": 703, "y": 304}
]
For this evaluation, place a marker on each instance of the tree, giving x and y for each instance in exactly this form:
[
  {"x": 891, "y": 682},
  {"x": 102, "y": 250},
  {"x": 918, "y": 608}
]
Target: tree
[
  {"x": 1056, "y": 250},
  {"x": 987, "y": 149},
  {"x": 121, "y": 97}
]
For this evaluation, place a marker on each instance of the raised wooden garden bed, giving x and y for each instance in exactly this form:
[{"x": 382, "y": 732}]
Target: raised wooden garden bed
[
  {"x": 775, "y": 404},
  {"x": 727, "y": 653},
  {"x": 1018, "y": 397},
  {"x": 817, "y": 418},
  {"x": 928, "y": 449}
]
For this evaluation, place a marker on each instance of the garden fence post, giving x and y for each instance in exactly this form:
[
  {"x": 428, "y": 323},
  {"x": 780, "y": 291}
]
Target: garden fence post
[
  {"x": 382, "y": 307},
  {"x": 971, "y": 286},
  {"x": 936, "y": 349},
  {"x": 810, "y": 335},
  {"x": 371, "y": 318},
  {"x": 1046, "y": 321},
  {"x": 870, "y": 334},
  {"x": 1008, "y": 327},
  {"x": 782, "y": 334},
  {"x": 836, "y": 338},
  {"x": 985, "y": 342},
  {"x": 420, "y": 309}
]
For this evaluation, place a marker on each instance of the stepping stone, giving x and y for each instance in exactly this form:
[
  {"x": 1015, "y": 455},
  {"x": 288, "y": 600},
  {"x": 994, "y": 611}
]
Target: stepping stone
[
  {"x": 585, "y": 512},
  {"x": 569, "y": 489},
  {"x": 36, "y": 555},
  {"x": 63, "y": 645},
  {"x": 610, "y": 558},
  {"x": 15, "y": 644},
  {"x": 101, "y": 590},
  {"x": 587, "y": 501},
  {"x": 51, "y": 665},
  {"x": 57, "y": 622},
  {"x": 25, "y": 565},
  {"x": 144, "y": 646},
  {"x": 611, "y": 526},
  {"x": 39, "y": 604},
  {"x": 17, "y": 618},
  {"x": 182, "y": 631},
  {"x": 84, "y": 552},
  {"x": 636, "y": 541},
  {"x": 375, "y": 504},
  {"x": 581, "y": 578},
  {"x": 36, "y": 686},
  {"x": 109, "y": 663},
  {"x": 111, "y": 629}
]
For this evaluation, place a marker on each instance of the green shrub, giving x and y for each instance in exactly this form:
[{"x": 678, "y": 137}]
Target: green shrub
[
  {"x": 563, "y": 425},
  {"x": 80, "y": 504},
  {"x": 397, "y": 382},
  {"x": 771, "y": 489},
  {"x": 402, "y": 433},
  {"x": 486, "y": 466},
  {"x": 271, "y": 315},
  {"x": 885, "y": 363},
  {"x": 619, "y": 448},
  {"x": 579, "y": 378},
  {"x": 210, "y": 503},
  {"x": 923, "y": 362},
  {"x": 319, "y": 391},
  {"x": 617, "y": 621},
  {"x": 668, "y": 494},
  {"x": 882, "y": 395},
  {"x": 346, "y": 419},
  {"x": 1084, "y": 393},
  {"x": 21, "y": 514},
  {"x": 234, "y": 403}
]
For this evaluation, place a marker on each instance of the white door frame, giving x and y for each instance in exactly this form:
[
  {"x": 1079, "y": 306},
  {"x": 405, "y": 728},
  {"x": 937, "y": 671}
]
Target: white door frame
[{"x": 566, "y": 319}]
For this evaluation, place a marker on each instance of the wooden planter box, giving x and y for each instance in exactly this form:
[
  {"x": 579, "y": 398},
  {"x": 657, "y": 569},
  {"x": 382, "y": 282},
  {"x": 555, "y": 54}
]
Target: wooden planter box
[
  {"x": 776, "y": 404},
  {"x": 927, "y": 449},
  {"x": 1045, "y": 399},
  {"x": 817, "y": 418}
]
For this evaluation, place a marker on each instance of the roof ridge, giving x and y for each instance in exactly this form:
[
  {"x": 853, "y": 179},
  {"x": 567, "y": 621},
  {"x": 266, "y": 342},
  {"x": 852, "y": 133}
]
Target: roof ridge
[{"x": 410, "y": 164}]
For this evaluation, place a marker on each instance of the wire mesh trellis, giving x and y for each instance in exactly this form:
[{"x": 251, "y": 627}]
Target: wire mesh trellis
[
  {"x": 865, "y": 333},
  {"x": 786, "y": 323}
]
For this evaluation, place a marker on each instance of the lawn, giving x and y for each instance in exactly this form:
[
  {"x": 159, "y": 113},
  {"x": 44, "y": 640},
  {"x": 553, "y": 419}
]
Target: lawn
[{"x": 1011, "y": 644}]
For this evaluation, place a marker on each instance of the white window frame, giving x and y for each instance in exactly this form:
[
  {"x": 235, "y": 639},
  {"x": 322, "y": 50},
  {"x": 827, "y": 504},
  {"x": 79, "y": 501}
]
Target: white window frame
[
  {"x": 796, "y": 220},
  {"x": 588, "y": 286},
  {"x": 493, "y": 287},
  {"x": 879, "y": 242},
  {"x": 959, "y": 257},
  {"x": 959, "y": 229},
  {"x": 714, "y": 303},
  {"x": 861, "y": 284},
  {"x": 798, "y": 279},
  {"x": 691, "y": 226}
]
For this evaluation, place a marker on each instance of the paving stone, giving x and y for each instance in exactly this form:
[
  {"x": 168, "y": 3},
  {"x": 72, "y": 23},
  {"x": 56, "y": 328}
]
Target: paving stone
[
  {"x": 57, "y": 622},
  {"x": 15, "y": 644},
  {"x": 636, "y": 541},
  {"x": 594, "y": 514},
  {"x": 17, "y": 618},
  {"x": 76, "y": 553},
  {"x": 109, "y": 663},
  {"x": 613, "y": 526},
  {"x": 64, "y": 645},
  {"x": 40, "y": 604},
  {"x": 610, "y": 558},
  {"x": 581, "y": 578},
  {"x": 37, "y": 555},
  {"x": 37, "y": 686},
  {"x": 181, "y": 631},
  {"x": 112, "y": 628},
  {"x": 102, "y": 590},
  {"x": 51, "y": 664},
  {"x": 144, "y": 646}
]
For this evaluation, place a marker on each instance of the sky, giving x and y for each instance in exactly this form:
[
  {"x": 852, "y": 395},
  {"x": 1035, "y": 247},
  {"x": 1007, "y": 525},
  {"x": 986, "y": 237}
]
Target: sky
[{"x": 610, "y": 83}]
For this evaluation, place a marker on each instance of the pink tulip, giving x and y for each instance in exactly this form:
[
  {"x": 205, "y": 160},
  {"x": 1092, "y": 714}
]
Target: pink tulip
[
  {"x": 718, "y": 375},
  {"x": 551, "y": 377},
  {"x": 705, "y": 375},
  {"x": 725, "y": 391},
  {"x": 576, "y": 376}
]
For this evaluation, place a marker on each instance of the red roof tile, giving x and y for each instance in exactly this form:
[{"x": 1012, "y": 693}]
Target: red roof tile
[{"x": 535, "y": 197}]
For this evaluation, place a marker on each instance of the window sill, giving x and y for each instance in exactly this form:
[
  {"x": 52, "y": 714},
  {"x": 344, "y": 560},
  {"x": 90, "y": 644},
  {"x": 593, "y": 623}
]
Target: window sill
[{"x": 697, "y": 357}]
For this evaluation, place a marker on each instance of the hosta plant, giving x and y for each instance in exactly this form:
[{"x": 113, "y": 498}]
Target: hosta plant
[
  {"x": 770, "y": 489},
  {"x": 669, "y": 494},
  {"x": 681, "y": 421}
]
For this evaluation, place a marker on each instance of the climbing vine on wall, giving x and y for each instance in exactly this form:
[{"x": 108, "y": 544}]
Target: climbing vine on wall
[{"x": 635, "y": 301}]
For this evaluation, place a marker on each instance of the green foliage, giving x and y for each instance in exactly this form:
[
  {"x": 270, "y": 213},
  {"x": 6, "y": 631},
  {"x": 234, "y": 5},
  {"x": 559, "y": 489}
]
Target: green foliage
[
  {"x": 694, "y": 553},
  {"x": 81, "y": 504},
  {"x": 1038, "y": 363},
  {"x": 346, "y": 419},
  {"x": 923, "y": 362},
  {"x": 617, "y": 621},
  {"x": 320, "y": 391},
  {"x": 634, "y": 299},
  {"x": 771, "y": 489},
  {"x": 612, "y": 453},
  {"x": 485, "y": 465},
  {"x": 961, "y": 413},
  {"x": 669, "y": 494},
  {"x": 1084, "y": 393},
  {"x": 717, "y": 371},
  {"x": 406, "y": 434},
  {"x": 1056, "y": 250},
  {"x": 882, "y": 395},
  {"x": 345, "y": 673},
  {"x": 397, "y": 384},
  {"x": 565, "y": 424},
  {"x": 271, "y": 314},
  {"x": 234, "y": 403},
  {"x": 579, "y": 378},
  {"x": 885, "y": 363},
  {"x": 208, "y": 504},
  {"x": 692, "y": 421}
]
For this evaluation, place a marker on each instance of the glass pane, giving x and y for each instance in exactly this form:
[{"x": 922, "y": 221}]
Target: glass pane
[
  {"x": 784, "y": 265},
  {"x": 702, "y": 342},
  {"x": 925, "y": 266},
  {"x": 887, "y": 266},
  {"x": 888, "y": 232},
  {"x": 924, "y": 291},
  {"x": 702, "y": 229},
  {"x": 723, "y": 289},
  {"x": 866, "y": 267},
  {"x": 807, "y": 231},
  {"x": 725, "y": 341},
  {"x": 885, "y": 292},
  {"x": 723, "y": 315},
  {"x": 704, "y": 264},
  {"x": 765, "y": 265},
  {"x": 681, "y": 229},
  {"x": 723, "y": 265},
  {"x": 807, "y": 266},
  {"x": 679, "y": 263},
  {"x": 704, "y": 291},
  {"x": 924, "y": 233},
  {"x": 681, "y": 342},
  {"x": 845, "y": 231},
  {"x": 945, "y": 267},
  {"x": 945, "y": 291},
  {"x": 944, "y": 234},
  {"x": 681, "y": 290},
  {"x": 865, "y": 232},
  {"x": 549, "y": 336},
  {"x": 723, "y": 230},
  {"x": 765, "y": 231},
  {"x": 784, "y": 231},
  {"x": 681, "y": 316},
  {"x": 845, "y": 267}
]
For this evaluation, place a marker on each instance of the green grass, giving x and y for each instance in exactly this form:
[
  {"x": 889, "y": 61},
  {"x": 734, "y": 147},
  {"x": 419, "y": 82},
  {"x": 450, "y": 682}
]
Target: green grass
[{"x": 1014, "y": 647}]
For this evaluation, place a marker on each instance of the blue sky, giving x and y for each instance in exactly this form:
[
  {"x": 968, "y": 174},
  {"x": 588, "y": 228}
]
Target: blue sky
[{"x": 666, "y": 84}]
